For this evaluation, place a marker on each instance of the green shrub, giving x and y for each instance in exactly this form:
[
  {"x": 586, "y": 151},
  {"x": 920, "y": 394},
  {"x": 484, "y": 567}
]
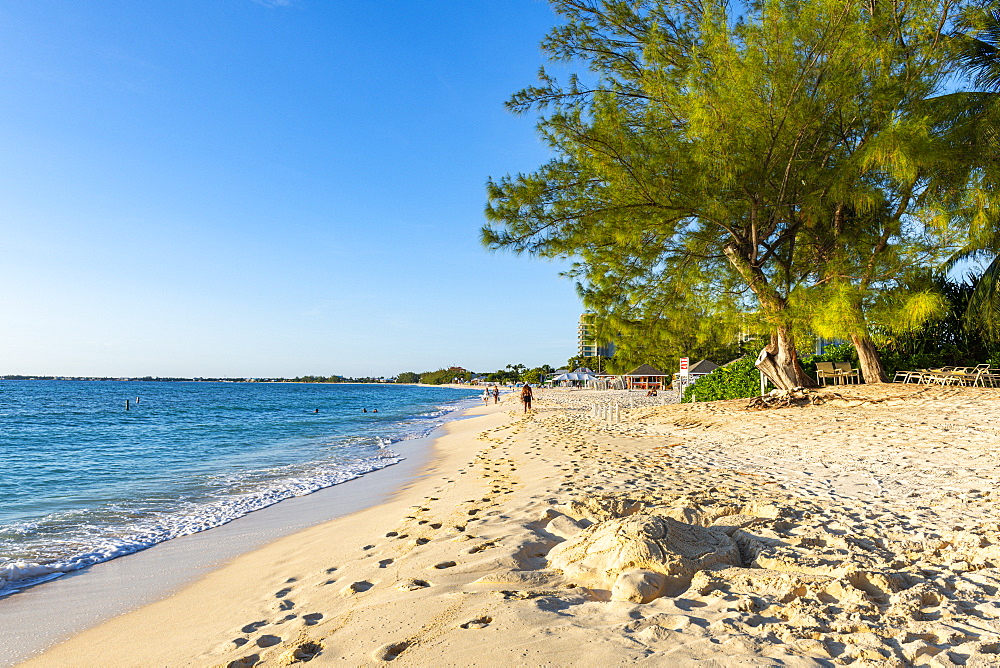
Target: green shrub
[{"x": 736, "y": 380}]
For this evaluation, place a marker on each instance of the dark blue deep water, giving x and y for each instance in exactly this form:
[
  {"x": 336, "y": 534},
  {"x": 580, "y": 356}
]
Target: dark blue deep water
[{"x": 83, "y": 480}]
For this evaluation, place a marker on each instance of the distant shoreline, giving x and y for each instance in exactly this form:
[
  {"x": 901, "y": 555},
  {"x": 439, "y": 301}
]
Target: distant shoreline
[
  {"x": 110, "y": 379},
  {"x": 147, "y": 379}
]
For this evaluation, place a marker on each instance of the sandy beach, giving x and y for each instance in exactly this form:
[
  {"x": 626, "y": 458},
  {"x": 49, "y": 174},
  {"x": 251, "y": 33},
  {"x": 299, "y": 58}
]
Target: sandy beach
[{"x": 858, "y": 529}]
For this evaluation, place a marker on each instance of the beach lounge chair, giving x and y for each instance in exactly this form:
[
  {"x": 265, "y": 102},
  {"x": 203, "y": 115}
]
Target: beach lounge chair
[
  {"x": 983, "y": 376},
  {"x": 846, "y": 372},
  {"x": 962, "y": 375},
  {"x": 825, "y": 370},
  {"x": 937, "y": 376}
]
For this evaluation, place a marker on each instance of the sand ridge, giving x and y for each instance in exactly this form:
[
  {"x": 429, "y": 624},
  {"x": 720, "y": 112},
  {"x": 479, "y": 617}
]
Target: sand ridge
[{"x": 860, "y": 531}]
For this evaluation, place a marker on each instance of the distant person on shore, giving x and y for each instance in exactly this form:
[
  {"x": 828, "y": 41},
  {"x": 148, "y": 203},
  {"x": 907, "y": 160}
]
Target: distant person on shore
[
  {"x": 486, "y": 396},
  {"x": 496, "y": 394},
  {"x": 374, "y": 410},
  {"x": 526, "y": 397},
  {"x": 364, "y": 410}
]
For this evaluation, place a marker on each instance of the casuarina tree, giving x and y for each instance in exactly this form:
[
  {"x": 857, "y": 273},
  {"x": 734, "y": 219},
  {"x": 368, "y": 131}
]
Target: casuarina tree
[{"x": 773, "y": 165}]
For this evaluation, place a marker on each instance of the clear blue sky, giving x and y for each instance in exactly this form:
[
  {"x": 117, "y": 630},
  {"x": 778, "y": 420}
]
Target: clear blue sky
[{"x": 267, "y": 188}]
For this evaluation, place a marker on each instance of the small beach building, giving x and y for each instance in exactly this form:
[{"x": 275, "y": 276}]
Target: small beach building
[
  {"x": 702, "y": 368},
  {"x": 645, "y": 377}
]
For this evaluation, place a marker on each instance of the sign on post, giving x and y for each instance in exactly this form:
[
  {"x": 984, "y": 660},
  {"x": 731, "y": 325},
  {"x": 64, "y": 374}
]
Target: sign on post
[{"x": 684, "y": 366}]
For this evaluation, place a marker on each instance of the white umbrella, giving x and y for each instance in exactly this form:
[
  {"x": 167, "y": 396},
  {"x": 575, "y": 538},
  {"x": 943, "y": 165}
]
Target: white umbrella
[{"x": 575, "y": 376}]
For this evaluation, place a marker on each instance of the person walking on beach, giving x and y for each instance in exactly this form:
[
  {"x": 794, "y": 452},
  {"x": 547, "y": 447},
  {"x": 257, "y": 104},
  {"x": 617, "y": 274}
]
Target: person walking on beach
[
  {"x": 486, "y": 396},
  {"x": 526, "y": 397},
  {"x": 496, "y": 394}
]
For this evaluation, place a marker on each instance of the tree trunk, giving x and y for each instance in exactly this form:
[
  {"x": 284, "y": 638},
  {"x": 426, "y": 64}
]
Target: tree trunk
[
  {"x": 868, "y": 359},
  {"x": 779, "y": 361}
]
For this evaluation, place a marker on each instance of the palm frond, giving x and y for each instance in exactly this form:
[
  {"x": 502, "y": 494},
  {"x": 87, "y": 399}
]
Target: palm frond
[
  {"x": 979, "y": 53},
  {"x": 983, "y": 311}
]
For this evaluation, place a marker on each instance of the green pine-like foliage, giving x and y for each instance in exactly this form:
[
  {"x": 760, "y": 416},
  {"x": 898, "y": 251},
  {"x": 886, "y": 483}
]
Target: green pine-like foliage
[{"x": 780, "y": 171}]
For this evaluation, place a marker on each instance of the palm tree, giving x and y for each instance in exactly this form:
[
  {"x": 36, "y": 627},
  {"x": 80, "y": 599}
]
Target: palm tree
[{"x": 975, "y": 126}]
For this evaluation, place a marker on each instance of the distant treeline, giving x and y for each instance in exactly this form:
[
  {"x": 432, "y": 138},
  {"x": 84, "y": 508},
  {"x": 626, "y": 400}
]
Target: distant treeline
[
  {"x": 512, "y": 373},
  {"x": 338, "y": 379}
]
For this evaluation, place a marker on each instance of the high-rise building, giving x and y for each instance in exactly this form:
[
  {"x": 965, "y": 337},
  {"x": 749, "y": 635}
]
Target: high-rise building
[{"x": 587, "y": 342}]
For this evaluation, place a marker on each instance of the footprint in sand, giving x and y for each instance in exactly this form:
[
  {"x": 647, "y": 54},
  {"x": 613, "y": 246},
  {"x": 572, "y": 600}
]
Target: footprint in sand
[
  {"x": 286, "y": 605},
  {"x": 421, "y": 541},
  {"x": 445, "y": 564},
  {"x": 331, "y": 569},
  {"x": 391, "y": 651},
  {"x": 268, "y": 641},
  {"x": 392, "y": 534},
  {"x": 312, "y": 618},
  {"x": 283, "y": 593},
  {"x": 244, "y": 662},
  {"x": 306, "y": 651},
  {"x": 413, "y": 585},
  {"x": 384, "y": 563},
  {"x": 479, "y": 623},
  {"x": 252, "y": 627},
  {"x": 358, "y": 587}
]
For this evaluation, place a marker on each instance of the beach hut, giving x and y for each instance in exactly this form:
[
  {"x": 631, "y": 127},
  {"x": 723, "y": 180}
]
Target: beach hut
[
  {"x": 645, "y": 377},
  {"x": 702, "y": 368}
]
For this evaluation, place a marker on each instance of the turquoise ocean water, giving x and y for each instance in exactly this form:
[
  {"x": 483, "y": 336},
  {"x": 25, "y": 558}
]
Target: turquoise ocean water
[{"x": 82, "y": 480}]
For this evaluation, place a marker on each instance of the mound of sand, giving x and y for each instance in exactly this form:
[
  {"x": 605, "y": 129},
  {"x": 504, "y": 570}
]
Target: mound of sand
[{"x": 642, "y": 557}]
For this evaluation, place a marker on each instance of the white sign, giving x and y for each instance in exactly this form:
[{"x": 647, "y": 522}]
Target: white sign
[{"x": 684, "y": 366}]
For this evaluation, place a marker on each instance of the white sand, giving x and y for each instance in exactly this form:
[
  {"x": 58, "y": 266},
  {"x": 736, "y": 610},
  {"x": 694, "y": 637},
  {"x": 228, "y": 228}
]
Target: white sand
[{"x": 863, "y": 531}]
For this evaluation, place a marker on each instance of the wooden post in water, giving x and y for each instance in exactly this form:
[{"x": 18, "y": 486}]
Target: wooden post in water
[{"x": 126, "y": 404}]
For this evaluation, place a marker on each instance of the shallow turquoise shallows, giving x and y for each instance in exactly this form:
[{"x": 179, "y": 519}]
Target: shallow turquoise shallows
[{"x": 82, "y": 480}]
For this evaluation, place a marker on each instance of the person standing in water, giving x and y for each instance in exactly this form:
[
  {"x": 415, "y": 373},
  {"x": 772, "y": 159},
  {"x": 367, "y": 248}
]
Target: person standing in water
[{"x": 526, "y": 397}]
